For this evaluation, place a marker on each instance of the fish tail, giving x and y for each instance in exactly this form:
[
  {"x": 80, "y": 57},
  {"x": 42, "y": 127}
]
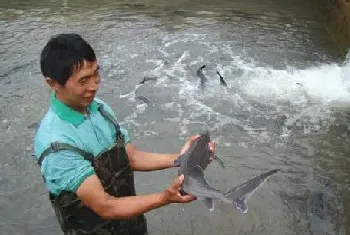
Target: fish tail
[{"x": 240, "y": 194}]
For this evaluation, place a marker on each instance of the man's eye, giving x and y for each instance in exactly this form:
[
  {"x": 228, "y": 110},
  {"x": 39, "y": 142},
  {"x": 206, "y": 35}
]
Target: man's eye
[{"x": 83, "y": 81}]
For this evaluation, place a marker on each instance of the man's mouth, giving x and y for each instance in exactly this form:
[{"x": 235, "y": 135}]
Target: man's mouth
[{"x": 89, "y": 98}]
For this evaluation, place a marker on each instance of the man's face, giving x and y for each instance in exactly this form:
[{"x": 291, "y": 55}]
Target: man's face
[{"x": 80, "y": 89}]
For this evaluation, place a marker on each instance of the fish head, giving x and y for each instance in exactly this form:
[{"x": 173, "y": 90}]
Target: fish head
[{"x": 200, "y": 152}]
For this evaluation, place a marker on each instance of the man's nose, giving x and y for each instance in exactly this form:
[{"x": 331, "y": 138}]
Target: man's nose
[{"x": 94, "y": 83}]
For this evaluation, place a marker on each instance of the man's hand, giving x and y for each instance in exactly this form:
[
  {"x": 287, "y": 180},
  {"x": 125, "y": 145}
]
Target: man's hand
[
  {"x": 172, "y": 194},
  {"x": 212, "y": 150},
  {"x": 92, "y": 194}
]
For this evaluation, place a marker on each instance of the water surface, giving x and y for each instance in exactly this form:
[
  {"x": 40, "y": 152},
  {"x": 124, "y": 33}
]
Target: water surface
[{"x": 286, "y": 105}]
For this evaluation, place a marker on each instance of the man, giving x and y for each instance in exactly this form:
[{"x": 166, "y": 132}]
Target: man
[{"x": 87, "y": 160}]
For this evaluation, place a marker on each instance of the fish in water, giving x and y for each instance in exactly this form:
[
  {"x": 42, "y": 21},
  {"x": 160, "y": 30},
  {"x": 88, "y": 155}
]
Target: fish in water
[
  {"x": 144, "y": 99},
  {"x": 204, "y": 79},
  {"x": 200, "y": 74},
  {"x": 320, "y": 211},
  {"x": 146, "y": 79},
  {"x": 222, "y": 81},
  {"x": 192, "y": 165}
]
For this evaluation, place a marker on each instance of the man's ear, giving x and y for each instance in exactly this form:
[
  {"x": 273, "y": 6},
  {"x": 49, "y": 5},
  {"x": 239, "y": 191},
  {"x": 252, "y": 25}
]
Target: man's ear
[{"x": 54, "y": 85}]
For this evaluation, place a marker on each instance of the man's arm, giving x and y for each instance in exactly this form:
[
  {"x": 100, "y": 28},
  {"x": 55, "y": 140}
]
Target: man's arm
[
  {"x": 92, "y": 194},
  {"x": 145, "y": 161}
]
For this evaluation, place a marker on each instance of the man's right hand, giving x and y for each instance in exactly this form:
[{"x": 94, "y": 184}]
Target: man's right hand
[
  {"x": 92, "y": 194},
  {"x": 172, "y": 194}
]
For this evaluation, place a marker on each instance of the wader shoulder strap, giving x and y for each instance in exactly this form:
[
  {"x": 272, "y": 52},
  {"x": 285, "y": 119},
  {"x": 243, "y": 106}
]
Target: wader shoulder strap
[
  {"x": 110, "y": 118},
  {"x": 56, "y": 146}
]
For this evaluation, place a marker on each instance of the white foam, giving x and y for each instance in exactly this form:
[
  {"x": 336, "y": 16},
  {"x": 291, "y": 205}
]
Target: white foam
[
  {"x": 303, "y": 96},
  {"x": 326, "y": 83}
]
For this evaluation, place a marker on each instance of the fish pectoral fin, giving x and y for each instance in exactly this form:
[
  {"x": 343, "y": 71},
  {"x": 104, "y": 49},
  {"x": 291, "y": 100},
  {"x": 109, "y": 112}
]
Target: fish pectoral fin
[{"x": 209, "y": 203}]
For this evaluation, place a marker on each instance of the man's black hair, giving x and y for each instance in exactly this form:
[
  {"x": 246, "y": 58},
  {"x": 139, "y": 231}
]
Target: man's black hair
[{"x": 62, "y": 54}]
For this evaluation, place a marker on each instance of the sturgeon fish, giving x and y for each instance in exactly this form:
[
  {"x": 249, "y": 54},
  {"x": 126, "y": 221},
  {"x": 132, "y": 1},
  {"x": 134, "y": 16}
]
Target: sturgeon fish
[
  {"x": 192, "y": 165},
  {"x": 200, "y": 74},
  {"x": 222, "y": 81}
]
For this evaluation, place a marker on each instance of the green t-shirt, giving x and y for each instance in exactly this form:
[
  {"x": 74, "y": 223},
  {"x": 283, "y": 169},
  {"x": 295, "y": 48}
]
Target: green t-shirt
[{"x": 65, "y": 169}]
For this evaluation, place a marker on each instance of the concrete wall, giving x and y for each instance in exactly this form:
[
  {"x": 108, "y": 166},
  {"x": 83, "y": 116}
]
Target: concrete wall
[{"x": 337, "y": 14}]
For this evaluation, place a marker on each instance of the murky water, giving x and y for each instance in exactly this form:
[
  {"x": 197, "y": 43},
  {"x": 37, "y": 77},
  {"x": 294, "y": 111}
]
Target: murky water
[{"x": 286, "y": 105}]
